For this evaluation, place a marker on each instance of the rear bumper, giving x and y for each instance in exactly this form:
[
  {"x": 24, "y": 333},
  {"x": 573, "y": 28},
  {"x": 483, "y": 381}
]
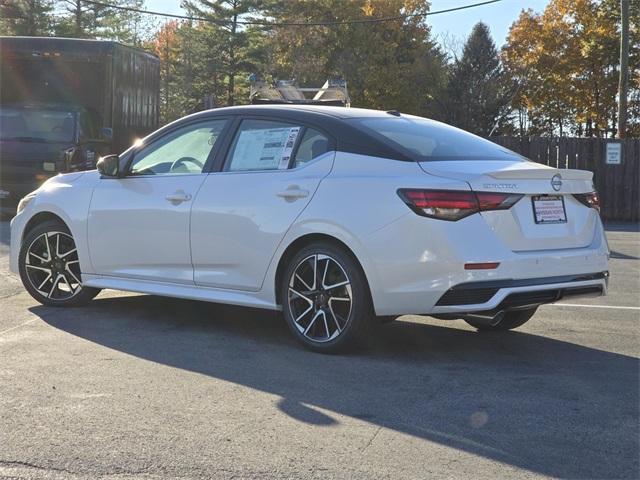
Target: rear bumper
[
  {"x": 491, "y": 297},
  {"x": 428, "y": 259}
]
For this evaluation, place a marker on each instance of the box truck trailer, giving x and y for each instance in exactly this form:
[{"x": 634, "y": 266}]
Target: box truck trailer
[{"x": 65, "y": 102}]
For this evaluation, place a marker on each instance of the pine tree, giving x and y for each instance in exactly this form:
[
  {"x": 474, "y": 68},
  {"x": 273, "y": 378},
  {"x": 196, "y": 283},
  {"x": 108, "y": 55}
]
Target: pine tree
[
  {"x": 26, "y": 17},
  {"x": 475, "y": 95},
  {"x": 227, "y": 41},
  {"x": 87, "y": 20}
]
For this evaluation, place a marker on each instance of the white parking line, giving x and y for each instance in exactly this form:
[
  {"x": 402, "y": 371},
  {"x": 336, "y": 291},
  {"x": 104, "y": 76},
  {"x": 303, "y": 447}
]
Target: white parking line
[
  {"x": 17, "y": 326},
  {"x": 619, "y": 307}
]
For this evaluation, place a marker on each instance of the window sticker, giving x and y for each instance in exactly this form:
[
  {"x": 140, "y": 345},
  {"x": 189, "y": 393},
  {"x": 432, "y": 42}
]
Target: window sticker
[
  {"x": 265, "y": 149},
  {"x": 288, "y": 148}
]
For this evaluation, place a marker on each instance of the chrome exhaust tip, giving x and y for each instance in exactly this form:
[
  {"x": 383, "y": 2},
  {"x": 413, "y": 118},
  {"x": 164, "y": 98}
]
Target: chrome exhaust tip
[{"x": 489, "y": 319}]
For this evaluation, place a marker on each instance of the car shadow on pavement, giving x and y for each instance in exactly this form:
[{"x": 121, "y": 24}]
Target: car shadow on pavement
[
  {"x": 622, "y": 226},
  {"x": 623, "y": 256},
  {"x": 544, "y": 405}
]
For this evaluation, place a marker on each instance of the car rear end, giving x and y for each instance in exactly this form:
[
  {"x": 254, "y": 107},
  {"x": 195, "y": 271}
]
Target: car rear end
[
  {"x": 505, "y": 234},
  {"x": 543, "y": 235}
]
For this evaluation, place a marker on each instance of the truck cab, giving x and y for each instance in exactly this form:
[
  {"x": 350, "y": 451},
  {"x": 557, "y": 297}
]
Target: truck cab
[
  {"x": 66, "y": 102},
  {"x": 38, "y": 141}
]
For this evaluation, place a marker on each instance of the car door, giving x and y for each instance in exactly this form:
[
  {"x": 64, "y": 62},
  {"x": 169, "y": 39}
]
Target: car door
[
  {"x": 242, "y": 212},
  {"x": 139, "y": 224}
]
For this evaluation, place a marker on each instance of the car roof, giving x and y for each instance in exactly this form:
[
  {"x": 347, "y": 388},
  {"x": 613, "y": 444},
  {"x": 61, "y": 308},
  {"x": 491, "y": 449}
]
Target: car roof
[
  {"x": 332, "y": 111},
  {"x": 331, "y": 120}
]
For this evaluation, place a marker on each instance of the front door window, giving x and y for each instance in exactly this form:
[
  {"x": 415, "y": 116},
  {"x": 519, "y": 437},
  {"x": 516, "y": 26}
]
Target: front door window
[{"x": 184, "y": 151}]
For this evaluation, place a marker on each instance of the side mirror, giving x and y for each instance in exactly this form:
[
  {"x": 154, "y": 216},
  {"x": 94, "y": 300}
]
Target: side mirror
[
  {"x": 109, "y": 166},
  {"x": 106, "y": 133}
]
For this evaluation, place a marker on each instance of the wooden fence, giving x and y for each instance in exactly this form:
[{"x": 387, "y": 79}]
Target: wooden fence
[{"x": 618, "y": 185}]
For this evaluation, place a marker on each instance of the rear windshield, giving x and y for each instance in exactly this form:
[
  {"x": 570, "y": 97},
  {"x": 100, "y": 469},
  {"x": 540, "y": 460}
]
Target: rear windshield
[{"x": 426, "y": 140}]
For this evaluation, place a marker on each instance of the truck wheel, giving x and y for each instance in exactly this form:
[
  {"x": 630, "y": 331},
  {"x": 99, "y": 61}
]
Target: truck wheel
[
  {"x": 50, "y": 267},
  {"x": 511, "y": 320}
]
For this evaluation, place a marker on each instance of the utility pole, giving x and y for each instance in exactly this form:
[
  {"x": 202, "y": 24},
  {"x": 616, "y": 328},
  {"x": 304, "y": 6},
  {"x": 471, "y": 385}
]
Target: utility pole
[{"x": 623, "y": 83}]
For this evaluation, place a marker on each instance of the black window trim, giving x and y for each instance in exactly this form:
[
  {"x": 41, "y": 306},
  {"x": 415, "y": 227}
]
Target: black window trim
[{"x": 296, "y": 146}]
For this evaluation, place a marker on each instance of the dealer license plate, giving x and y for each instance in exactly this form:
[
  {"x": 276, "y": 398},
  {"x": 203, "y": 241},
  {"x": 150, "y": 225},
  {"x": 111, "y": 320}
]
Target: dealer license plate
[{"x": 549, "y": 209}]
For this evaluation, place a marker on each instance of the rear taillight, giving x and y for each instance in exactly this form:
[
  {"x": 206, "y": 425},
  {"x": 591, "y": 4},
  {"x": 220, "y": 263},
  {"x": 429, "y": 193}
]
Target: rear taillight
[
  {"x": 496, "y": 201},
  {"x": 591, "y": 199},
  {"x": 453, "y": 204},
  {"x": 446, "y": 205}
]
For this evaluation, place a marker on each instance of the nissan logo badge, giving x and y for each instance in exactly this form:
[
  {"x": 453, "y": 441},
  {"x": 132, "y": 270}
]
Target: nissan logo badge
[{"x": 556, "y": 182}]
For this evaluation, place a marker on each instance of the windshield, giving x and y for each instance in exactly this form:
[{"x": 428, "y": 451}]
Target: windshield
[
  {"x": 429, "y": 140},
  {"x": 35, "y": 124}
]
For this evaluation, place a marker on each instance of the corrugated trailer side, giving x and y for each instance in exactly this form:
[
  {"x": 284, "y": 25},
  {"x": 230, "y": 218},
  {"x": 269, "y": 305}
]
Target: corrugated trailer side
[
  {"x": 119, "y": 84},
  {"x": 135, "y": 95}
]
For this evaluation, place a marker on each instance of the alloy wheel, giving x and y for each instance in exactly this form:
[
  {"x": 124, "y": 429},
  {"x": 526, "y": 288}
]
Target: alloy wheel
[
  {"x": 320, "y": 298},
  {"x": 52, "y": 266}
]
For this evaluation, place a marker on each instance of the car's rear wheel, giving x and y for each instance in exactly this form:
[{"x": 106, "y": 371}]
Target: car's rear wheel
[
  {"x": 510, "y": 320},
  {"x": 50, "y": 267},
  {"x": 325, "y": 299}
]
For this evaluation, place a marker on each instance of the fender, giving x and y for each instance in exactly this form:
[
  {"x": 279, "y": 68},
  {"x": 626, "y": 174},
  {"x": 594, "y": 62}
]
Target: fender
[
  {"x": 315, "y": 227},
  {"x": 70, "y": 204}
]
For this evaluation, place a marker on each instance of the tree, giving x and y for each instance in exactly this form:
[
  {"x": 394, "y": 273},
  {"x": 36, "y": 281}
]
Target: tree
[
  {"x": 475, "y": 93},
  {"x": 26, "y": 17},
  {"x": 167, "y": 46},
  {"x": 80, "y": 19},
  {"x": 388, "y": 65},
  {"x": 566, "y": 61},
  {"x": 227, "y": 42},
  {"x": 623, "y": 83}
]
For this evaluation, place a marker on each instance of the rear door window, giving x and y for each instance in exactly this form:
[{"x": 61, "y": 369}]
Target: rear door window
[
  {"x": 262, "y": 145},
  {"x": 312, "y": 145}
]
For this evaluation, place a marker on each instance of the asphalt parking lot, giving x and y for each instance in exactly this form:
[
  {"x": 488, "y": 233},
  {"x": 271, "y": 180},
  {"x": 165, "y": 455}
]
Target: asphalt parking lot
[{"x": 137, "y": 386}]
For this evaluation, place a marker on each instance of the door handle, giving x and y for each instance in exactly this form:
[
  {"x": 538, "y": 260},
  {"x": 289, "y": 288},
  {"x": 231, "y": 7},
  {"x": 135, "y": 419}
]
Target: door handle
[
  {"x": 293, "y": 192},
  {"x": 178, "y": 197}
]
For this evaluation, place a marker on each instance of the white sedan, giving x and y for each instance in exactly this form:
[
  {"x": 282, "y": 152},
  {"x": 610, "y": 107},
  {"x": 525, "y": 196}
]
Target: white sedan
[{"x": 332, "y": 215}]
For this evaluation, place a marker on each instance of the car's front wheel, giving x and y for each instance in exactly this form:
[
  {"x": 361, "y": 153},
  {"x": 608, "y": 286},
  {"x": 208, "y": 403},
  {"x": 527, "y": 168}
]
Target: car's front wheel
[
  {"x": 50, "y": 267},
  {"x": 325, "y": 298}
]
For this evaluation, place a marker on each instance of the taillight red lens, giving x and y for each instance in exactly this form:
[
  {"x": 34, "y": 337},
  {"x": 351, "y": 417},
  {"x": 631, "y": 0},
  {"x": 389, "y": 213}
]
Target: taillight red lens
[
  {"x": 453, "y": 204},
  {"x": 497, "y": 201},
  {"x": 591, "y": 199},
  {"x": 442, "y": 204}
]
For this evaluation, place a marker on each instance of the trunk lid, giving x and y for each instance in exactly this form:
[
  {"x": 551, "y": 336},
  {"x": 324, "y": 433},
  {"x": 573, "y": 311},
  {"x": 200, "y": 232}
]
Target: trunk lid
[{"x": 549, "y": 187}]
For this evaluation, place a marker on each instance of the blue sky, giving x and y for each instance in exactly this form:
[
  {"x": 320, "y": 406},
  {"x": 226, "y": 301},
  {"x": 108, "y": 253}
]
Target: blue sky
[{"x": 498, "y": 16}]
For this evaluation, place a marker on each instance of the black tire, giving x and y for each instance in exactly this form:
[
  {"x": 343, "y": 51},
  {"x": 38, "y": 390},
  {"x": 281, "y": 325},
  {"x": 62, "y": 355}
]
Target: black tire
[
  {"x": 384, "y": 319},
  {"x": 510, "y": 320},
  {"x": 344, "y": 326},
  {"x": 38, "y": 271}
]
